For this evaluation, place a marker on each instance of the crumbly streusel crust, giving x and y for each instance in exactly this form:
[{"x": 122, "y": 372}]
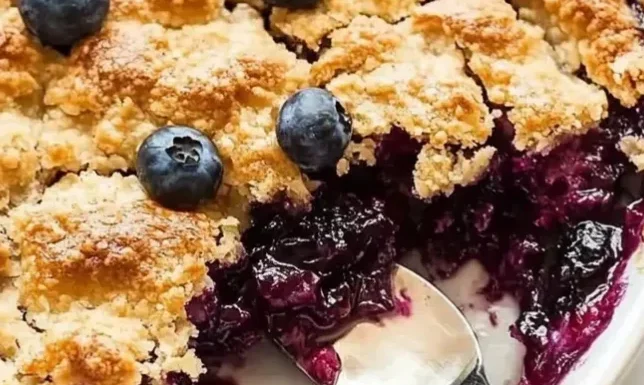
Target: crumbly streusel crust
[
  {"x": 311, "y": 26},
  {"x": 226, "y": 77},
  {"x": 387, "y": 76},
  {"x": 105, "y": 273},
  {"x": 603, "y": 35},
  {"x": 518, "y": 70}
]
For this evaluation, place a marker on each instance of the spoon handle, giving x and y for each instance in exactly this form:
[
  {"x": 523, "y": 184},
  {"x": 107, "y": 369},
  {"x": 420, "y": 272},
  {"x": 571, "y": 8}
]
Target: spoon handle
[{"x": 477, "y": 377}]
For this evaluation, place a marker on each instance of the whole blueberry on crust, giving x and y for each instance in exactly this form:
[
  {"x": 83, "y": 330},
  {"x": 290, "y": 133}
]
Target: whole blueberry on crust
[
  {"x": 313, "y": 129},
  {"x": 62, "y": 23},
  {"x": 179, "y": 167}
]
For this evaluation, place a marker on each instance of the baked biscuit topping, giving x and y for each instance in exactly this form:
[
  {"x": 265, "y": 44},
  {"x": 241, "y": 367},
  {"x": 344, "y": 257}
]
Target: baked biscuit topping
[
  {"x": 606, "y": 36},
  {"x": 311, "y": 26},
  {"x": 518, "y": 70}
]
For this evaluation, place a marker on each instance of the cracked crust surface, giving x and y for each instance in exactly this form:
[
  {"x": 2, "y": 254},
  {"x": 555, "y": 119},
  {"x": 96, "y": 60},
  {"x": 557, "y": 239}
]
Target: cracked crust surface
[
  {"x": 311, "y": 26},
  {"x": 388, "y": 76},
  {"x": 518, "y": 71},
  {"x": 604, "y": 36}
]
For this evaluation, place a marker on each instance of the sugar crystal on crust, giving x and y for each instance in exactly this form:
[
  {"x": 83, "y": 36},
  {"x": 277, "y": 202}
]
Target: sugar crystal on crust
[
  {"x": 518, "y": 70},
  {"x": 311, "y": 26}
]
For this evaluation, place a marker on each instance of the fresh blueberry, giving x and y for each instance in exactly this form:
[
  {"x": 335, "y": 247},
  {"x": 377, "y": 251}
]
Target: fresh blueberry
[
  {"x": 61, "y": 23},
  {"x": 293, "y": 4},
  {"x": 313, "y": 129},
  {"x": 179, "y": 167}
]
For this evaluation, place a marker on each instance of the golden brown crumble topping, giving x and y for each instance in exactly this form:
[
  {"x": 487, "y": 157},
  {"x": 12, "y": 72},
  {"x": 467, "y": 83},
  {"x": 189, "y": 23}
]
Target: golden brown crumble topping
[
  {"x": 98, "y": 243},
  {"x": 5, "y": 255},
  {"x": 414, "y": 87},
  {"x": 16, "y": 336},
  {"x": 172, "y": 13},
  {"x": 606, "y": 37},
  {"x": 79, "y": 351},
  {"x": 311, "y": 26},
  {"x": 227, "y": 78},
  {"x": 633, "y": 147},
  {"x": 99, "y": 240},
  {"x": 518, "y": 70},
  {"x": 389, "y": 75},
  {"x": 23, "y": 64},
  {"x": 440, "y": 171},
  {"x": 19, "y": 163}
]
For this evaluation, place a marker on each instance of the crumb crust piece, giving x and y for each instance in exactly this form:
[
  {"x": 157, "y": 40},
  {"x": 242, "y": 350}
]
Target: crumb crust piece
[{"x": 105, "y": 274}]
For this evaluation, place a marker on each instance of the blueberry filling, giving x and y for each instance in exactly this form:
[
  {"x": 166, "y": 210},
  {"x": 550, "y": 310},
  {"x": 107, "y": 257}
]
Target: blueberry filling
[
  {"x": 638, "y": 11},
  {"x": 317, "y": 272},
  {"x": 553, "y": 230}
]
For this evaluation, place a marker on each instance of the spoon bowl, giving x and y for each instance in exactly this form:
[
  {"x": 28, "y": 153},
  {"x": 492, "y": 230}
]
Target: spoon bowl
[{"x": 430, "y": 343}]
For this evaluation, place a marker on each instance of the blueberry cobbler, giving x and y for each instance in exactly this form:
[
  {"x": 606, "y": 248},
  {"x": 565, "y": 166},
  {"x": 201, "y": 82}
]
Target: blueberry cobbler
[{"x": 180, "y": 179}]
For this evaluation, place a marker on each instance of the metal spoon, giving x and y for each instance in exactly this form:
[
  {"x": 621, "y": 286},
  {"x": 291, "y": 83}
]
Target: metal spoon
[{"x": 435, "y": 345}]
